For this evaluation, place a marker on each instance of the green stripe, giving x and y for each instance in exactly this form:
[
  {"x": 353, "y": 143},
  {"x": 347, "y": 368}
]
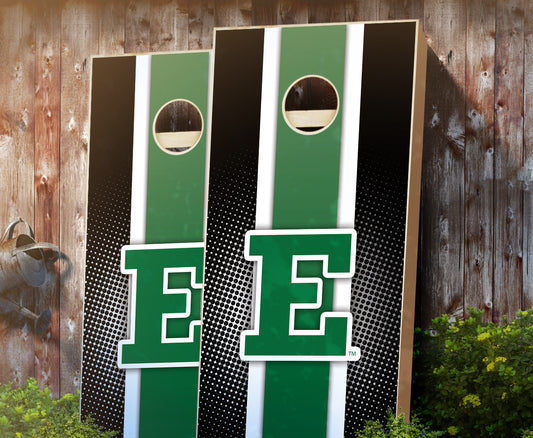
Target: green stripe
[
  {"x": 175, "y": 204},
  {"x": 175, "y": 208},
  {"x": 305, "y": 196}
]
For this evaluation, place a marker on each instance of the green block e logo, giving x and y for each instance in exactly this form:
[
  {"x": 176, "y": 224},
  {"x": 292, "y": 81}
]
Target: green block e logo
[
  {"x": 165, "y": 305},
  {"x": 294, "y": 319}
]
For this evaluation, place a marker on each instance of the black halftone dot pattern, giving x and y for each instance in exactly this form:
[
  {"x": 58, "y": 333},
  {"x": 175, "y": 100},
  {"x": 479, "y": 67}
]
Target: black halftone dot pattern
[
  {"x": 383, "y": 166},
  {"x": 376, "y": 290},
  {"x": 106, "y": 302},
  {"x": 228, "y": 277},
  {"x": 227, "y": 299}
]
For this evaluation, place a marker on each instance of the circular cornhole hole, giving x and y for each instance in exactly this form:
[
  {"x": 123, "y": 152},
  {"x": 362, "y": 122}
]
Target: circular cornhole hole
[
  {"x": 178, "y": 126},
  {"x": 310, "y": 105}
]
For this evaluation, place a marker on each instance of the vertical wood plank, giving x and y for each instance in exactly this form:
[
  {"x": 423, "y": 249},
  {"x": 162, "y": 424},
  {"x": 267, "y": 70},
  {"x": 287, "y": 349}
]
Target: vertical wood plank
[
  {"x": 479, "y": 155},
  {"x": 232, "y": 13},
  {"x": 16, "y": 172},
  {"x": 137, "y": 27},
  {"x": 401, "y": 9},
  {"x": 527, "y": 171},
  {"x": 278, "y": 12},
  {"x": 508, "y": 158},
  {"x": 112, "y": 27},
  {"x": 47, "y": 125},
  {"x": 417, "y": 10},
  {"x": 324, "y": 11},
  {"x": 201, "y": 22},
  {"x": 362, "y": 10},
  {"x": 79, "y": 36},
  {"x": 169, "y": 25},
  {"x": 264, "y": 13},
  {"x": 442, "y": 255},
  {"x": 292, "y": 12}
]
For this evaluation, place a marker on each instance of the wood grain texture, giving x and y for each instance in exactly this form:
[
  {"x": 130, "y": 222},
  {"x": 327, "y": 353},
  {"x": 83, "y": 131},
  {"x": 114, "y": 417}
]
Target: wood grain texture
[
  {"x": 401, "y": 9},
  {"x": 201, "y": 22},
  {"x": 362, "y": 10},
  {"x": 47, "y": 126},
  {"x": 324, "y": 11},
  {"x": 264, "y": 13},
  {"x": 231, "y": 13},
  {"x": 269, "y": 12},
  {"x": 17, "y": 71},
  {"x": 78, "y": 18},
  {"x": 479, "y": 156},
  {"x": 527, "y": 170},
  {"x": 137, "y": 27},
  {"x": 169, "y": 25},
  {"x": 508, "y": 158},
  {"x": 443, "y": 170},
  {"x": 111, "y": 35},
  {"x": 292, "y": 12}
]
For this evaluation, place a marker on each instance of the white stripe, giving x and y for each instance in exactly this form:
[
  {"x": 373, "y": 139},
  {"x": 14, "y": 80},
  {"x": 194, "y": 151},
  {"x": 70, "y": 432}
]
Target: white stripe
[
  {"x": 264, "y": 203},
  {"x": 141, "y": 131},
  {"x": 351, "y": 104}
]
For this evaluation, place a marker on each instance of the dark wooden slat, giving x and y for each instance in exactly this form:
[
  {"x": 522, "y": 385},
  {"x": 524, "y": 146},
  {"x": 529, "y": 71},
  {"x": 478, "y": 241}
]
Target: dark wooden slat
[
  {"x": 78, "y": 18},
  {"x": 442, "y": 255},
  {"x": 272, "y": 12},
  {"x": 479, "y": 156},
  {"x": 324, "y": 11},
  {"x": 47, "y": 125},
  {"x": 401, "y": 9},
  {"x": 292, "y": 12},
  {"x": 169, "y": 24},
  {"x": 264, "y": 13},
  {"x": 137, "y": 26},
  {"x": 16, "y": 172},
  {"x": 201, "y": 21},
  {"x": 362, "y": 10},
  {"x": 527, "y": 171},
  {"x": 508, "y": 158},
  {"x": 112, "y": 27},
  {"x": 246, "y": 6}
]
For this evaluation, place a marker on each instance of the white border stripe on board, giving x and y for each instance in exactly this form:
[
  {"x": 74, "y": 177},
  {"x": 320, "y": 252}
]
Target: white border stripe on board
[
  {"x": 141, "y": 130},
  {"x": 351, "y": 105},
  {"x": 264, "y": 203}
]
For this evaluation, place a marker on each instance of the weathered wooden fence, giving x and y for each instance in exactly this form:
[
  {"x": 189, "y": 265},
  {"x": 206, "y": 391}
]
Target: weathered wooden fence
[{"x": 477, "y": 206}]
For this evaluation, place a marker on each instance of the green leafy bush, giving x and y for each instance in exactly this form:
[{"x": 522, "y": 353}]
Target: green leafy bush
[
  {"x": 475, "y": 379},
  {"x": 28, "y": 412},
  {"x": 397, "y": 427}
]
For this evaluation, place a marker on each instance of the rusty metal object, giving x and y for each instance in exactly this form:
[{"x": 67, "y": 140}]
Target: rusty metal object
[
  {"x": 40, "y": 322},
  {"x": 22, "y": 260},
  {"x": 24, "y": 263}
]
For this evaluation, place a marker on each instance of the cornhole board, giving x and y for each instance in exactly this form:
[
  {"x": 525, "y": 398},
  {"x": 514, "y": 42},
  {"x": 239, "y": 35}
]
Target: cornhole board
[
  {"x": 151, "y": 200},
  {"x": 313, "y": 345}
]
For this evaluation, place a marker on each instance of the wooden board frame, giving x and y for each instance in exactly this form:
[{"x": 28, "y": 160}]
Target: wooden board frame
[
  {"x": 216, "y": 414},
  {"x": 132, "y": 199}
]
